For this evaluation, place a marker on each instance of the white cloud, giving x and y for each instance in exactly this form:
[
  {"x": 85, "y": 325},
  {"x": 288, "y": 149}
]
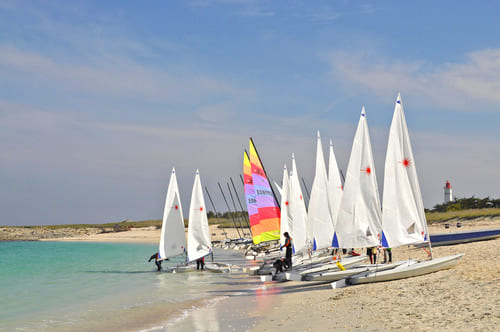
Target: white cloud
[
  {"x": 471, "y": 86},
  {"x": 118, "y": 77}
]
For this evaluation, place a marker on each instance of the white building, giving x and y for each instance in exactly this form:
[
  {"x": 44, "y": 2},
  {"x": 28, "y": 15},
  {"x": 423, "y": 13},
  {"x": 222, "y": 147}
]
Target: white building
[{"x": 448, "y": 195}]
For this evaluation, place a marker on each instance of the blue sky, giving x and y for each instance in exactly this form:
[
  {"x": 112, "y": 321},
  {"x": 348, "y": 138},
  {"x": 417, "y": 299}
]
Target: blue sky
[{"x": 99, "y": 100}]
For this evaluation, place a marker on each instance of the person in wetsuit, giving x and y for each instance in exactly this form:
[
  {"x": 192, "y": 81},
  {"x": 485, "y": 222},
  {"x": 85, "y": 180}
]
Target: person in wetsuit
[
  {"x": 288, "y": 247},
  {"x": 157, "y": 261}
]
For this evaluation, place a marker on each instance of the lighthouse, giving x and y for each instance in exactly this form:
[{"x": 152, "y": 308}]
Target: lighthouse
[{"x": 448, "y": 196}]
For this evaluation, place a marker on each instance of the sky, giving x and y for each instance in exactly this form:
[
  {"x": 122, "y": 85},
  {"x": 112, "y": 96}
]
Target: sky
[{"x": 99, "y": 100}]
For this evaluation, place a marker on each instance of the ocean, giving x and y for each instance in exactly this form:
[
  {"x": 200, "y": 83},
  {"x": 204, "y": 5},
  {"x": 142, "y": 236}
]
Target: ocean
[{"x": 83, "y": 286}]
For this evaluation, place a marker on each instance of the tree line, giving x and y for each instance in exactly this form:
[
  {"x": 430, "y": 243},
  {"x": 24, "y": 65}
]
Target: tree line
[
  {"x": 466, "y": 204},
  {"x": 227, "y": 214}
]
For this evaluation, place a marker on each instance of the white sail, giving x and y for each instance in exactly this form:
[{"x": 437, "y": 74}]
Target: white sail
[
  {"x": 359, "y": 220},
  {"x": 335, "y": 189},
  {"x": 199, "y": 243},
  {"x": 173, "y": 238},
  {"x": 403, "y": 216},
  {"x": 300, "y": 233},
  {"x": 319, "y": 216},
  {"x": 286, "y": 224}
]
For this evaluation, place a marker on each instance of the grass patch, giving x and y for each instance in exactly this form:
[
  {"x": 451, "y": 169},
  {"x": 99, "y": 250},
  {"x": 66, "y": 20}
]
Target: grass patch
[{"x": 437, "y": 217}]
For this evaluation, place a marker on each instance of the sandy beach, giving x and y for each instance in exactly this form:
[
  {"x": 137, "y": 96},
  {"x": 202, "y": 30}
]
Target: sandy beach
[
  {"x": 144, "y": 235},
  {"x": 464, "y": 298}
]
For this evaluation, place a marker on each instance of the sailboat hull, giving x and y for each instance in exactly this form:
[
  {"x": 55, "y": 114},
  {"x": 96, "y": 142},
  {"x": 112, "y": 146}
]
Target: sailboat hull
[
  {"x": 337, "y": 275},
  {"x": 411, "y": 269}
]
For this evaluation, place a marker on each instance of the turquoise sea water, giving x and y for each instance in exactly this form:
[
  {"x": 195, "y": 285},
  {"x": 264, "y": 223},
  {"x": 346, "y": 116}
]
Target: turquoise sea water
[{"x": 81, "y": 286}]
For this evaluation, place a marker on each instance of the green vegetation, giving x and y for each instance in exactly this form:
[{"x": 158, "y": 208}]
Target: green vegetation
[
  {"x": 437, "y": 217},
  {"x": 224, "y": 220},
  {"x": 464, "y": 208},
  {"x": 459, "y": 209},
  {"x": 466, "y": 204}
]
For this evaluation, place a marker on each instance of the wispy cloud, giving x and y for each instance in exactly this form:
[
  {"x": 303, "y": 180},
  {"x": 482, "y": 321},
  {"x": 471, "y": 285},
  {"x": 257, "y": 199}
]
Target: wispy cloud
[
  {"x": 470, "y": 86},
  {"x": 114, "y": 76}
]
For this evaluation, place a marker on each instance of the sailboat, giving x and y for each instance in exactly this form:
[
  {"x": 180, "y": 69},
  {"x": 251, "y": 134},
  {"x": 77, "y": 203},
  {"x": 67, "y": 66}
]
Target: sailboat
[
  {"x": 359, "y": 220},
  {"x": 403, "y": 216},
  {"x": 356, "y": 225},
  {"x": 172, "y": 239},
  {"x": 286, "y": 222},
  {"x": 335, "y": 188},
  {"x": 319, "y": 212},
  {"x": 263, "y": 209},
  {"x": 301, "y": 233},
  {"x": 199, "y": 244}
]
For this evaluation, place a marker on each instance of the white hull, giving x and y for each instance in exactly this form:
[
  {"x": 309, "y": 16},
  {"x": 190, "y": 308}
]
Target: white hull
[
  {"x": 209, "y": 266},
  {"x": 337, "y": 275},
  {"x": 411, "y": 269},
  {"x": 300, "y": 273},
  {"x": 332, "y": 265}
]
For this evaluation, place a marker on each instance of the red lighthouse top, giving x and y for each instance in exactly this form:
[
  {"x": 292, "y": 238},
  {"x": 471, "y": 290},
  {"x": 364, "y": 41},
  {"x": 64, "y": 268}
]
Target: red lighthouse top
[{"x": 448, "y": 185}]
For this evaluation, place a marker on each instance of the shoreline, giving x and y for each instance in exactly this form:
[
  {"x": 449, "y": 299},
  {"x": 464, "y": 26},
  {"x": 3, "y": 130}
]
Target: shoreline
[
  {"x": 464, "y": 298},
  {"x": 151, "y": 234}
]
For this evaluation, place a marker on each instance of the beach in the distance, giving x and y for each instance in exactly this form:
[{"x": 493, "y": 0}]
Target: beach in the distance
[{"x": 464, "y": 298}]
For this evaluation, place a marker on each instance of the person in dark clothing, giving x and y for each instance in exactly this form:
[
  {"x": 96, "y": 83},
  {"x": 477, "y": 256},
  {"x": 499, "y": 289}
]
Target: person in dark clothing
[
  {"x": 371, "y": 252},
  {"x": 200, "y": 263},
  {"x": 288, "y": 247},
  {"x": 156, "y": 257},
  {"x": 280, "y": 264},
  {"x": 387, "y": 252}
]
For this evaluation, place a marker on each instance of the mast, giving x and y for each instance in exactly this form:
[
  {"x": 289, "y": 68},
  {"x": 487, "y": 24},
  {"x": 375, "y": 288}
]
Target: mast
[
  {"x": 241, "y": 206},
  {"x": 229, "y": 209},
  {"x": 305, "y": 187},
  {"x": 235, "y": 209},
  {"x": 213, "y": 205}
]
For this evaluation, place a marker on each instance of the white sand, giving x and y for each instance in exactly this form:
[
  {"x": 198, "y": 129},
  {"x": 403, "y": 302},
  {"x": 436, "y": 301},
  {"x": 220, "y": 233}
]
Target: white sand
[{"x": 464, "y": 298}]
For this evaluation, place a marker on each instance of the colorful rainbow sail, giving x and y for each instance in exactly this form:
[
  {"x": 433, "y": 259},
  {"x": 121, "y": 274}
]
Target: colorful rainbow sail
[{"x": 263, "y": 210}]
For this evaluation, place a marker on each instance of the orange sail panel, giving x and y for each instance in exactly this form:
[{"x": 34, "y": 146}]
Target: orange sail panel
[{"x": 263, "y": 210}]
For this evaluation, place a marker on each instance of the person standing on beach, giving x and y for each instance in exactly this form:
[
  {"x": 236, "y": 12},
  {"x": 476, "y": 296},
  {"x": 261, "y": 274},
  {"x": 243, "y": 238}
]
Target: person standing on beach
[
  {"x": 288, "y": 247},
  {"x": 388, "y": 252},
  {"x": 200, "y": 262},
  {"x": 157, "y": 261},
  {"x": 371, "y": 252}
]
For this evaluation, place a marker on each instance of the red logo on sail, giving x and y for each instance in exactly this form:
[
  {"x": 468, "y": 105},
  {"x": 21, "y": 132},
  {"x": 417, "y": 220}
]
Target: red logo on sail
[{"x": 405, "y": 162}]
